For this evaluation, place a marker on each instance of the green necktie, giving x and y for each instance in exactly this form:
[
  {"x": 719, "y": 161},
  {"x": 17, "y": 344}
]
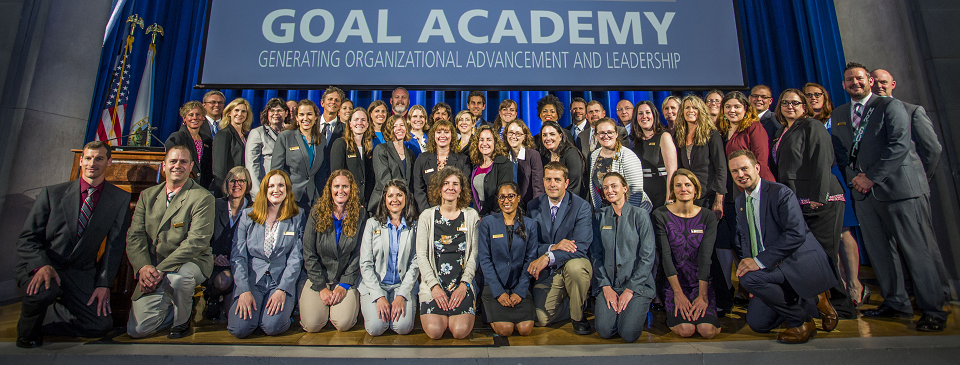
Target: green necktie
[{"x": 752, "y": 226}]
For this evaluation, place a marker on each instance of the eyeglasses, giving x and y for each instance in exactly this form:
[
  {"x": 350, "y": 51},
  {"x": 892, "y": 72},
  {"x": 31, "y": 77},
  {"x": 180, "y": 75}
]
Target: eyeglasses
[
  {"x": 515, "y": 134},
  {"x": 761, "y": 97},
  {"x": 793, "y": 103},
  {"x": 624, "y": 109},
  {"x": 507, "y": 197},
  {"x": 237, "y": 182},
  {"x": 814, "y": 95},
  {"x": 607, "y": 133},
  {"x": 276, "y": 111}
]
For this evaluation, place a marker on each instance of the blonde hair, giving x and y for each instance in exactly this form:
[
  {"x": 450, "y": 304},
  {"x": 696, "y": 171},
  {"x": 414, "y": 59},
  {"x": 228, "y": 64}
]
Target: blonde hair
[
  {"x": 225, "y": 121},
  {"x": 704, "y": 125}
]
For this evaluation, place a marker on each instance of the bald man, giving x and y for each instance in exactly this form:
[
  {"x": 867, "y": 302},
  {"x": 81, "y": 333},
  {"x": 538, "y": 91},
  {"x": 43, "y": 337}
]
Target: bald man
[{"x": 924, "y": 138}]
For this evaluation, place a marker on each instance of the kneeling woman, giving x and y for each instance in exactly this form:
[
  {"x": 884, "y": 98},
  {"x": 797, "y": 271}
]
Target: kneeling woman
[
  {"x": 266, "y": 260},
  {"x": 622, "y": 252},
  {"x": 685, "y": 234},
  {"x": 508, "y": 243},
  {"x": 331, "y": 256},
  {"x": 388, "y": 263},
  {"x": 447, "y": 256}
]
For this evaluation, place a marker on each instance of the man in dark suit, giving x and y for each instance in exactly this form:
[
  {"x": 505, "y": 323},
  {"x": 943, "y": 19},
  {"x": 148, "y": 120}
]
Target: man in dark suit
[
  {"x": 761, "y": 97},
  {"x": 168, "y": 245},
  {"x": 578, "y": 119},
  {"x": 477, "y": 104},
  {"x": 67, "y": 280},
  {"x": 563, "y": 270},
  {"x": 928, "y": 148},
  {"x": 782, "y": 265},
  {"x": 331, "y": 128},
  {"x": 891, "y": 199}
]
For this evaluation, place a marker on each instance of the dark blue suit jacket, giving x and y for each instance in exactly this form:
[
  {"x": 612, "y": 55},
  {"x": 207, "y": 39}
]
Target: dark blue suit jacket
[
  {"x": 788, "y": 243},
  {"x": 573, "y": 222},
  {"x": 505, "y": 270}
]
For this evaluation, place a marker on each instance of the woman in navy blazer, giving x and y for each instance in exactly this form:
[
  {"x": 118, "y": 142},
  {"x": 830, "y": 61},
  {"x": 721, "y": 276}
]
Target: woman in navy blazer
[
  {"x": 388, "y": 263},
  {"x": 622, "y": 253},
  {"x": 507, "y": 243},
  {"x": 266, "y": 260}
]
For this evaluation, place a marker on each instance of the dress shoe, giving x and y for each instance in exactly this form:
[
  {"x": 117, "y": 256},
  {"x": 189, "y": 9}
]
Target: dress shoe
[
  {"x": 802, "y": 334},
  {"x": 927, "y": 323},
  {"x": 885, "y": 312},
  {"x": 828, "y": 315},
  {"x": 582, "y": 327},
  {"x": 743, "y": 302},
  {"x": 23, "y": 342},
  {"x": 179, "y": 331}
]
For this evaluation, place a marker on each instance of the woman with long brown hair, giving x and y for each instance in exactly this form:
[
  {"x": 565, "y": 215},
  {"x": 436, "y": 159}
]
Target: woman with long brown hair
[
  {"x": 439, "y": 154},
  {"x": 266, "y": 260},
  {"x": 298, "y": 152},
  {"x": 354, "y": 151},
  {"x": 378, "y": 111},
  {"x": 331, "y": 256},
  {"x": 492, "y": 167}
]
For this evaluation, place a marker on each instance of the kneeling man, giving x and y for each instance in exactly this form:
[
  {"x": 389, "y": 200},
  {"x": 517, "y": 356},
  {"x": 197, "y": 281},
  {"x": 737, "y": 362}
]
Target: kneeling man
[
  {"x": 168, "y": 245},
  {"x": 563, "y": 270},
  {"x": 782, "y": 265},
  {"x": 67, "y": 279}
]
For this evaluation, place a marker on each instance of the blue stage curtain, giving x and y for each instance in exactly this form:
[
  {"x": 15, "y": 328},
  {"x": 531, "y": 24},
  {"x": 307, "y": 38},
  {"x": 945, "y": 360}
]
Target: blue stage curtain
[{"x": 786, "y": 44}]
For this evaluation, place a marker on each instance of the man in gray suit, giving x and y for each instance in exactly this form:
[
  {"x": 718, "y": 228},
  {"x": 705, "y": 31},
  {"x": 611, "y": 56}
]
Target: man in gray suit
[
  {"x": 928, "y": 148},
  {"x": 890, "y": 197},
  {"x": 168, "y": 245},
  {"x": 67, "y": 280}
]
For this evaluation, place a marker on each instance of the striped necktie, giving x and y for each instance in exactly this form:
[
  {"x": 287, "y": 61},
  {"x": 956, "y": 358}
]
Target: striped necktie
[
  {"x": 857, "y": 114},
  {"x": 86, "y": 211},
  {"x": 553, "y": 213},
  {"x": 170, "y": 197}
]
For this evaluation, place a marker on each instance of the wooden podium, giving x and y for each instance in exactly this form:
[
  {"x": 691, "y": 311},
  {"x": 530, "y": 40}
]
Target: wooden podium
[{"x": 133, "y": 171}]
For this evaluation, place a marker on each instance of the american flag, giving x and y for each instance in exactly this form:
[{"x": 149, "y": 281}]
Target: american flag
[{"x": 112, "y": 118}]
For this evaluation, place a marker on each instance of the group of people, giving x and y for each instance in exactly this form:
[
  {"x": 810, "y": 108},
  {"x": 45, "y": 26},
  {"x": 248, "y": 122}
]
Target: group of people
[{"x": 336, "y": 211}]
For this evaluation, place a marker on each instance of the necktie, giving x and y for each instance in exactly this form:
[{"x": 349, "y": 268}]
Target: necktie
[
  {"x": 857, "y": 114},
  {"x": 170, "y": 197},
  {"x": 553, "y": 213},
  {"x": 576, "y": 132},
  {"x": 86, "y": 211},
  {"x": 752, "y": 226},
  {"x": 323, "y": 132},
  {"x": 215, "y": 126}
]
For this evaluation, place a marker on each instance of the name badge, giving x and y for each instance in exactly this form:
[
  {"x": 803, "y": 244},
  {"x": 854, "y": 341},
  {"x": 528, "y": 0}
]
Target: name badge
[
  {"x": 294, "y": 148},
  {"x": 606, "y": 227},
  {"x": 498, "y": 236},
  {"x": 352, "y": 156},
  {"x": 696, "y": 231},
  {"x": 462, "y": 228},
  {"x": 653, "y": 143},
  {"x": 288, "y": 233},
  {"x": 842, "y": 123},
  {"x": 376, "y": 232},
  {"x": 427, "y": 171},
  {"x": 178, "y": 225}
]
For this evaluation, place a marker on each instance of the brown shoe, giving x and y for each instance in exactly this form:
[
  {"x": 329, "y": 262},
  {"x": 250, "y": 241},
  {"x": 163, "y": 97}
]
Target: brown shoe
[
  {"x": 800, "y": 334},
  {"x": 828, "y": 315}
]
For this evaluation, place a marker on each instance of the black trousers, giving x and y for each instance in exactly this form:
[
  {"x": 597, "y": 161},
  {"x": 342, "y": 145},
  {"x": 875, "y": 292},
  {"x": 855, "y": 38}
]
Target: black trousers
[
  {"x": 826, "y": 223},
  {"x": 61, "y": 310},
  {"x": 774, "y": 301}
]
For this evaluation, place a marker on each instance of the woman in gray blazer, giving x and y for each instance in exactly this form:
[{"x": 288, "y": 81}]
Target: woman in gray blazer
[
  {"x": 388, "y": 263},
  {"x": 331, "y": 256},
  {"x": 260, "y": 141},
  {"x": 622, "y": 255},
  {"x": 266, "y": 260},
  {"x": 298, "y": 152},
  {"x": 391, "y": 160}
]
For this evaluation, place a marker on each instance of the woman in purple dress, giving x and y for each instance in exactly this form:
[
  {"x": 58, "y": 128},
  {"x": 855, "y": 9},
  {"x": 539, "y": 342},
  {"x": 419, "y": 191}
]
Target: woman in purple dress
[{"x": 685, "y": 236}]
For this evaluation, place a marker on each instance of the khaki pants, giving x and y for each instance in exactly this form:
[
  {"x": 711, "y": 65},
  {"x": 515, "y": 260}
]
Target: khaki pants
[
  {"x": 550, "y": 294},
  {"x": 169, "y": 305},
  {"x": 314, "y": 314}
]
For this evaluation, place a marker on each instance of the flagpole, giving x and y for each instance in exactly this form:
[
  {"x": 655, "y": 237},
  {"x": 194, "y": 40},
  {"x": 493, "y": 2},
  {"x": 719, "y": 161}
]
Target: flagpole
[{"x": 134, "y": 21}]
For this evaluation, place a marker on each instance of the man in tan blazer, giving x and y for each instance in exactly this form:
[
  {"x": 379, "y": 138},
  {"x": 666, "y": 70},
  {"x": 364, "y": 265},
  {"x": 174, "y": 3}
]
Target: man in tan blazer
[{"x": 168, "y": 244}]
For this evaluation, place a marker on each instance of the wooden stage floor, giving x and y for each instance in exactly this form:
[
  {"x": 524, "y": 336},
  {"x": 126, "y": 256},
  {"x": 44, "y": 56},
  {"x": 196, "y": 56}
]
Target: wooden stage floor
[{"x": 734, "y": 328}]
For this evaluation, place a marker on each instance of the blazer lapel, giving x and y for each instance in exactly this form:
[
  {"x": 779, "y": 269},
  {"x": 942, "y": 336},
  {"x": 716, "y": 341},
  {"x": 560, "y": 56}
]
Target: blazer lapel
[
  {"x": 305, "y": 157},
  {"x": 71, "y": 208},
  {"x": 766, "y": 211},
  {"x": 561, "y": 214},
  {"x": 175, "y": 204}
]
